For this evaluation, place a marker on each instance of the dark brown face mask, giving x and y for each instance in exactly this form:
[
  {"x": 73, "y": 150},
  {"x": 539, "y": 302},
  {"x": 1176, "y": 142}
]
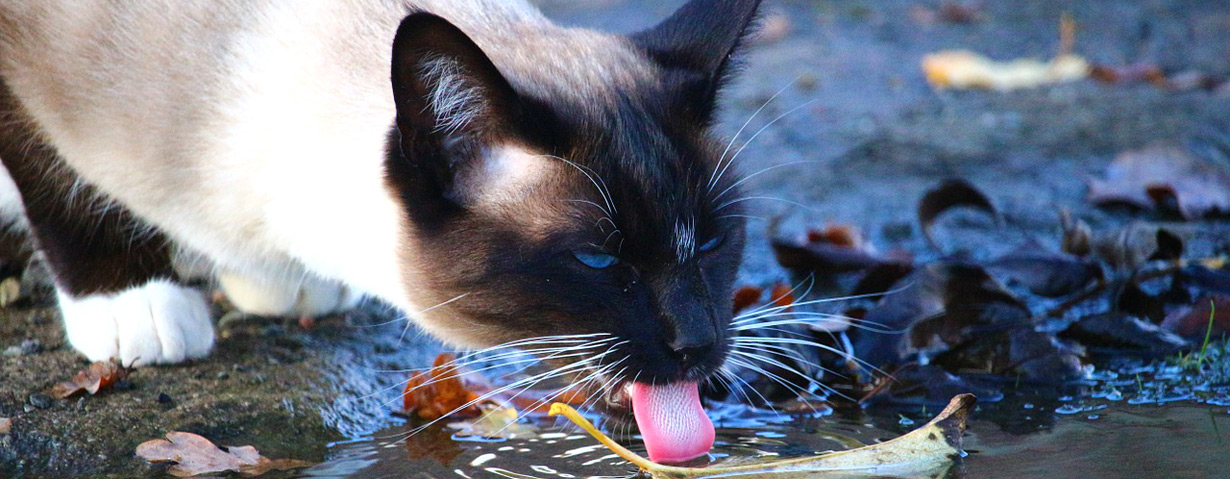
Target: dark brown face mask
[{"x": 625, "y": 232}]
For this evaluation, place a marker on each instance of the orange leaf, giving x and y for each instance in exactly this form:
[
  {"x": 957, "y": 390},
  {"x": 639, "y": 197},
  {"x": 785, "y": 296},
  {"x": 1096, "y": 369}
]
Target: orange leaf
[
  {"x": 100, "y": 375},
  {"x": 781, "y": 295},
  {"x": 747, "y": 296},
  {"x": 439, "y": 392}
]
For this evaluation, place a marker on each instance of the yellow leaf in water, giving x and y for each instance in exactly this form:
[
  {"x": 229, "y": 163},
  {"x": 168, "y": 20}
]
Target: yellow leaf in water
[
  {"x": 925, "y": 451},
  {"x": 496, "y": 422}
]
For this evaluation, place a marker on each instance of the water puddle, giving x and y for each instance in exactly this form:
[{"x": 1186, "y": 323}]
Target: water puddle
[{"x": 1020, "y": 437}]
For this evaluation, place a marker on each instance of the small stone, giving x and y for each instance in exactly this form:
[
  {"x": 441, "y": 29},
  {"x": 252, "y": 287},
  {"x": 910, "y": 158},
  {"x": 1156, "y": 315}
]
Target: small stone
[
  {"x": 41, "y": 401},
  {"x": 31, "y": 346},
  {"x": 224, "y": 375},
  {"x": 27, "y": 347},
  {"x": 164, "y": 398}
]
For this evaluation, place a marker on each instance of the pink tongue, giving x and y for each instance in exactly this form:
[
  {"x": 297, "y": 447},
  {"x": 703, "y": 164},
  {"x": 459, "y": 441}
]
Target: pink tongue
[{"x": 673, "y": 425}]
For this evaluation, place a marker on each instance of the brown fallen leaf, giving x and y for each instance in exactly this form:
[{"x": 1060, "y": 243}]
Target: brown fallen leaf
[
  {"x": 948, "y": 12},
  {"x": 942, "y": 306},
  {"x": 1151, "y": 73},
  {"x": 6, "y": 426},
  {"x": 1046, "y": 273},
  {"x": 781, "y": 296},
  {"x": 194, "y": 455},
  {"x": 838, "y": 235},
  {"x": 836, "y": 249},
  {"x": 1163, "y": 176},
  {"x": 1077, "y": 235},
  {"x": 439, "y": 391},
  {"x": 746, "y": 296},
  {"x": 100, "y": 375},
  {"x": 1122, "y": 332},
  {"x": 950, "y": 194},
  {"x": 1128, "y": 248},
  {"x": 1131, "y": 73},
  {"x": 1193, "y": 322}
]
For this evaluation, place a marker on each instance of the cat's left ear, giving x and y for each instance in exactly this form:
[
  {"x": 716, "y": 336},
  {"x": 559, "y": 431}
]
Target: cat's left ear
[{"x": 697, "y": 43}]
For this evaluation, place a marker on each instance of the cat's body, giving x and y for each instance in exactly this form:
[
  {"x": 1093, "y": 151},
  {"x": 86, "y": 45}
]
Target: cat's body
[{"x": 495, "y": 176}]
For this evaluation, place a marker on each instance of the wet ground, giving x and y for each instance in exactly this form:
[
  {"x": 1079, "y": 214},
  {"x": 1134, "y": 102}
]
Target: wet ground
[{"x": 855, "y": 107}]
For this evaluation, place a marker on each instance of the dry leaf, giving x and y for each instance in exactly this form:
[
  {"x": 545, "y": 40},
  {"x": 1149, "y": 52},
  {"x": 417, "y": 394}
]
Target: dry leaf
[
  {"x": 835, "y": 249},
  {"x": 195, "y": 455},
  {"x": 838, "y": 235},
  {"x": 746, "y": 296},
  {"x": 497, "y": 422},
  {"x": 1077, "y": 235},
  {"x": 949, "y": 12},
  {"x": 963, "y": 69},
  {"x": 100, "y": 375},
  {"x": 1046, "y": 273},
  {"x": 950, "y": 194},
  {"x": 928, "y": 450},
  {"x": 1164, "y": 176},
  {"x": 439, "y": 392},
  {"x": 1194, "y": 321},
  {"x": 1123, "y": 332},
  {"x": 6, "y": 426},
  {"x": 1135, "y": 72},
  {"x": 781, "y": 296}
]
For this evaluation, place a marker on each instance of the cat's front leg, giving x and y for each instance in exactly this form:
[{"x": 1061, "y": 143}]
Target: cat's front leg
[
  {"x": 118, "y": 292},
  {"x": 288, "y": 294}
]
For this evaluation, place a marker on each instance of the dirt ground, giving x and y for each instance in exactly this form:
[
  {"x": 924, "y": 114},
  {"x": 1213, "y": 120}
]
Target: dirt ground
[{"x": 855, "y": 108}]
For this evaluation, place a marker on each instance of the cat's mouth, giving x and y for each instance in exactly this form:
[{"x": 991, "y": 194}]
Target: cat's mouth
[{"x": 669, "y": 416}]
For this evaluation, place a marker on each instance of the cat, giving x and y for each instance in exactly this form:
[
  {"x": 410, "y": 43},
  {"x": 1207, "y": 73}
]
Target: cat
[{"x": 495, "y": 176}]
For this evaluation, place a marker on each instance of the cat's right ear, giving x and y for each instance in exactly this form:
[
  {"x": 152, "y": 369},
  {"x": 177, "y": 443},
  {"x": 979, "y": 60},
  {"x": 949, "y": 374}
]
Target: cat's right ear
[{"x": 451, "y": 101}]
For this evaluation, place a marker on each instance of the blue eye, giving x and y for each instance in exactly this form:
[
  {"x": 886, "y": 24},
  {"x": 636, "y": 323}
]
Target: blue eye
[
  {"x": 596, "y": 260},
  {"x": 712, "y": 244}
]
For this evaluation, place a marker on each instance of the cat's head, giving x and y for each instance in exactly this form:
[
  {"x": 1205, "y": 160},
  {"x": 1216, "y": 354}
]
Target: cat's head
[{"x": 566, "y": 185}]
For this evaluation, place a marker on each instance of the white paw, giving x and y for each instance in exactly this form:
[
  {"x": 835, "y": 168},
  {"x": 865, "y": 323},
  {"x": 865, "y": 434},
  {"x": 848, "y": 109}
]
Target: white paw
[
  {"x": 303, "y": 296},
  {"x": 158, "y": 323}
]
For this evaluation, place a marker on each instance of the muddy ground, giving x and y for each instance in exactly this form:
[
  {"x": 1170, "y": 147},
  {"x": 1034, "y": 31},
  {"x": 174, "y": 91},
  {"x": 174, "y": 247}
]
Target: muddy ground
[{"x": 876, "y": 136}]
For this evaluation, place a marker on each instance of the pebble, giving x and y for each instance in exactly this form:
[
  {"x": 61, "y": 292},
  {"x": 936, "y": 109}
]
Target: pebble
[
  {"x": 224, "y": 375},
  {"x": 41, "y": 401},
  {"x": 165, "y": 398},
  {"x": 27, "y": 347}
]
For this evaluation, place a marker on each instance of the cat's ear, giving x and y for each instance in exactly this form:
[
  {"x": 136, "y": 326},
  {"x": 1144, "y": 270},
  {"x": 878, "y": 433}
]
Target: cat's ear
[
  {"x": 443, "y": 83},
  {"x": 696, "y": 43},
  {"x": 452, "y": 103}
]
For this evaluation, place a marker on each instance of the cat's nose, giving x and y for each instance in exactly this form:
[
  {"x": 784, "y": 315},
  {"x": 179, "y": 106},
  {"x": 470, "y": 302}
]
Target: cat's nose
[{"x": 693, "y": 348}]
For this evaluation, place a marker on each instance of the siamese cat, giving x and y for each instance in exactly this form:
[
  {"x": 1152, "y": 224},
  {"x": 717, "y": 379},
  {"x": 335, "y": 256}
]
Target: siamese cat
[{"x": 495, "y": 176}]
